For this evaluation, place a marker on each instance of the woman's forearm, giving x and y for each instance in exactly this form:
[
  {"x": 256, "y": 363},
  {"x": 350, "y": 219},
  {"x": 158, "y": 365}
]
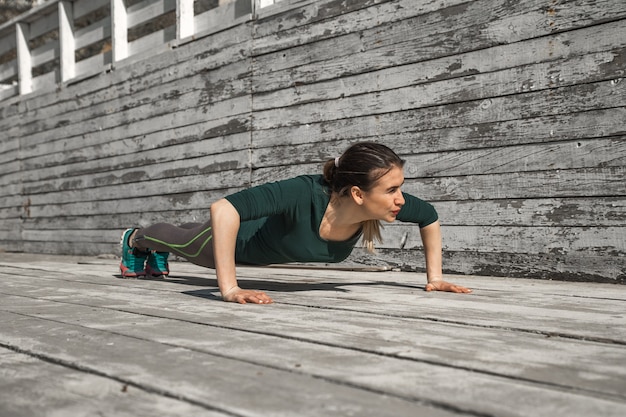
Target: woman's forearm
[
  {"x": 225, "y": 223},
  {"x": 431, "y": 239}
]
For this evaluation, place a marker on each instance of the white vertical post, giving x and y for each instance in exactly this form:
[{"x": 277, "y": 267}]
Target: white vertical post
[
  {"x": 24, "y": 62},
  {"x": 66, "y": 40},
  {"x": 255, "y": 7},
  {"x": 119, "y": 30},
  {"x": 184, "y": 19}
]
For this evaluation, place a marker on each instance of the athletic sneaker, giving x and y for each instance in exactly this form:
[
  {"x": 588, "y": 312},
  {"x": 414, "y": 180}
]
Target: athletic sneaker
[
  {"x": 133, "y": 259},
  {"x": 157, "y": 264}
]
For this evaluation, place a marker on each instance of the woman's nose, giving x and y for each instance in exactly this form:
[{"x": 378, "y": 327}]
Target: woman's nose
[{"x": 399, "y": 199}]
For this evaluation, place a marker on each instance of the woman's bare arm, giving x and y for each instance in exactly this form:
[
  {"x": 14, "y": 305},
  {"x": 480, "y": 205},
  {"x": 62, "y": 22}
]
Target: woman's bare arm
[
  {"x": 225, "y": 223},
  {"x": 431, "y": 238}
]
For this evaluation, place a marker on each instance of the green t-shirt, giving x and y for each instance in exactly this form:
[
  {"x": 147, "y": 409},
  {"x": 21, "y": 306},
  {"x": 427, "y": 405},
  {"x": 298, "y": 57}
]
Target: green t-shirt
[{"x": 280, "y": 222}]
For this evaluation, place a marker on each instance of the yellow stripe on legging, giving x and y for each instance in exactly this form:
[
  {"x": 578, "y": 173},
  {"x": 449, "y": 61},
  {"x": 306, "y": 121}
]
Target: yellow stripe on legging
[{"x": 177, "y": 247}]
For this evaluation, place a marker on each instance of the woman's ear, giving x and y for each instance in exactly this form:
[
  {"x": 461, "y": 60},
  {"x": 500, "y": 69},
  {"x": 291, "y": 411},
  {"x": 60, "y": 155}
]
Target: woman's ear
[{"x": 357, "y": 195}]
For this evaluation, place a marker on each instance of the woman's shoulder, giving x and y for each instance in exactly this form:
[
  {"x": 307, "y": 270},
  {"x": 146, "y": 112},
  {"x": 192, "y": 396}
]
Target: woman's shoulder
[
  {"x": 300, "y": 187},
  {"x": 416, "y": 210},
  {"x": 313, "y": 181}
]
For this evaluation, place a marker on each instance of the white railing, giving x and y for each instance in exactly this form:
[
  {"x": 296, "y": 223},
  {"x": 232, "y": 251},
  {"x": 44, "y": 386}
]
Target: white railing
[{"x": 62, "y": 41}]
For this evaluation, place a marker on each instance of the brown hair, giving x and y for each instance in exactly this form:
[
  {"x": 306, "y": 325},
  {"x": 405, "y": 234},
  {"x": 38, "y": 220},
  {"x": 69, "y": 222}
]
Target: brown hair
[{"x": 361, "y": 165}]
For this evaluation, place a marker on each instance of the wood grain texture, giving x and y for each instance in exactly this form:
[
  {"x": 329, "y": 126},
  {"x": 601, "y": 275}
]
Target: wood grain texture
[{"x": 339, "y": 342}]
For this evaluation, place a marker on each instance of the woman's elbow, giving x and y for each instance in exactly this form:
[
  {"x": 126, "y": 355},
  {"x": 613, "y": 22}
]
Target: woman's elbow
[{"x": 223, "y": 210}]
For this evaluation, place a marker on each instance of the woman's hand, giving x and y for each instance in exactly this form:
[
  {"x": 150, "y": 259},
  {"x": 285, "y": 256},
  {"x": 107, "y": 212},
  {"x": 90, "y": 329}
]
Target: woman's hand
[
  {"x": 238, "y": 295},
  {"x": 441, "y": 285}
]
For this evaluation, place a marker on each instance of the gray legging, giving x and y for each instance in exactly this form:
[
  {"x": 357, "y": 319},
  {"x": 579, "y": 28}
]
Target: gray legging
[{"x": 192, "y": 241}]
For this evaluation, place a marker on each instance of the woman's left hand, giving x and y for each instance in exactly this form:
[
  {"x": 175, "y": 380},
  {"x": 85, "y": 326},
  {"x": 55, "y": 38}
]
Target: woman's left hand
[{"x": 446, "y": 286}]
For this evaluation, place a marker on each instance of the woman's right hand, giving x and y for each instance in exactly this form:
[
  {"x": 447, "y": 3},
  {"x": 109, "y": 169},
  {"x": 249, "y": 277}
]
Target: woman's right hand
[{"x": 241, "y": 296}]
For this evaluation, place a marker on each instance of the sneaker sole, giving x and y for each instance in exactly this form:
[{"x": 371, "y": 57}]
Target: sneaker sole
[
  {"x": 126, "y": 273},
  {"x": 155, "y": 273}
]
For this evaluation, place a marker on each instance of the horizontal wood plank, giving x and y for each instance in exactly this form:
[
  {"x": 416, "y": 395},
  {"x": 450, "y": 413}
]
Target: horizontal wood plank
[
  {"x": 193, "y": 207},
  {"x": 61, "y": 388},
  {"x": 533, "y": 104},
  {"x": 336, "y": 135},
  {"x": 584, "y": 267},
  {"x": 147, "y": 10}
]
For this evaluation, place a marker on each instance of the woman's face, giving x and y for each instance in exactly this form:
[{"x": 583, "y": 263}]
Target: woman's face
[{"x": 384, "y": 200}]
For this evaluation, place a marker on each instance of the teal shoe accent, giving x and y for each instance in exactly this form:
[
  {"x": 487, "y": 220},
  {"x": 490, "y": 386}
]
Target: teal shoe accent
[
  {"x": 133, "y": 260},
  {"x": 157, "y": 264}
]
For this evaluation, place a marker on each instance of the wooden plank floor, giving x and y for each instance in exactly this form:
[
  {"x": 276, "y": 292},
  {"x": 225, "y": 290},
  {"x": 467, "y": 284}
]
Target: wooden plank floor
[{"x": 77, "y": 340}]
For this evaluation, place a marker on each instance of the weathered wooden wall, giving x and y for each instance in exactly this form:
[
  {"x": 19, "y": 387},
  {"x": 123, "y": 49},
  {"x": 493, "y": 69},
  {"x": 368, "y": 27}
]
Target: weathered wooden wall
[{"x": 510, "y": 115}]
